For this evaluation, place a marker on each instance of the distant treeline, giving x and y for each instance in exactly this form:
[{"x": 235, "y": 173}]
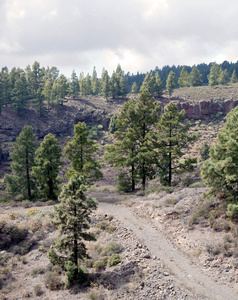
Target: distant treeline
[
  {"x": 204, "y": 70},
  {"x": 46, "y": 87}
]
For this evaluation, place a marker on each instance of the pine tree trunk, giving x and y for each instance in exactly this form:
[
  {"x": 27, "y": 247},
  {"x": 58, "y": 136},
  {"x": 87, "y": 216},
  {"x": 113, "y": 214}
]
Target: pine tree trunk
[
  {"x": 132, "y": 177},
  {"x": 28, "y": 176}
]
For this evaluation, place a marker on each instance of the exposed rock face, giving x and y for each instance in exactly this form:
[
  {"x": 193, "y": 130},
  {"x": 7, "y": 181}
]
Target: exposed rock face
[
  {"x": 60, "y": 123},
  {"x": 204, "y": 109}
]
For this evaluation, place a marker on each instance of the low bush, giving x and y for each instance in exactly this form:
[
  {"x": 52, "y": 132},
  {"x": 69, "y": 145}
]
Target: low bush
[
  {"x": 114, "y": 259},
  {"x": 159, "y": 189},
  {"x": 52, "y": 281},
  {"x": 232, "y": 210},
  {"x": 38, "y": 290},
  {"x": 104, "y": 225},
  {"x": 100, "y": 264},
  {"x": 37, "y": 271},
  {"x": 123, "y": 182},
  {"x": 214, "y": 249},
  {"x": 111, "y": 248},
  {"x": 11, "y": 234}
]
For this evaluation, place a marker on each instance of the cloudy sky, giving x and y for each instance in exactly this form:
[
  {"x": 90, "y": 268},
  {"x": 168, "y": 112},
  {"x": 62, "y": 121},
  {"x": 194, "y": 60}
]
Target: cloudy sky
[{"x": 138, "y": 34}]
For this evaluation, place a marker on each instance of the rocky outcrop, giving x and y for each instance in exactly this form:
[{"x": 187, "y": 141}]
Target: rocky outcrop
[
  {"x": 205, "y": 109},
  {"x": 59, "y": 122}
]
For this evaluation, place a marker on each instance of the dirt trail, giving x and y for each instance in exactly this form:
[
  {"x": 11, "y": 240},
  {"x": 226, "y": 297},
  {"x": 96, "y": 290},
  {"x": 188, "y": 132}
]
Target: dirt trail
[{"x": 187, "y": 274}]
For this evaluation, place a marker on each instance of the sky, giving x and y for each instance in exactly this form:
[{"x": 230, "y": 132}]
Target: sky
[{"x": 137, "y": 34}]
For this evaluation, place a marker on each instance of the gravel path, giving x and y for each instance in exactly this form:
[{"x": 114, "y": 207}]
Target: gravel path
[{"x": 187, "y": 275}]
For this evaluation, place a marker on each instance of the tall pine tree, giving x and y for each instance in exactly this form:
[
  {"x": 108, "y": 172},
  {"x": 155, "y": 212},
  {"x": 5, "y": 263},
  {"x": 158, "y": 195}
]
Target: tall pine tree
[
  {"x": 172, "y": 138},
  {"x": 72, "y": 220},
  {"x": 48, "y": 163},
  {"x": 80, "y": 152},
  {"x": 23, "y": 160}
]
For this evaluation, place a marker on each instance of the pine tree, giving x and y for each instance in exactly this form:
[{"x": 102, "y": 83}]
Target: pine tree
[
  {"x": 5, "y": 91},
  {"x": 47, "y": 93},
  {"x": 158, "y": 86},
  {"x": 23, "y": 159},
  {"x": 72, "y": 220},
  {"x": 87, "y": 84},
  {"x": 74, "y": 85},
  {"x": 34, "y": 77},
  {"x": 234, "y": 77},
  {"x": 121, "y": 80},
  {"x": 171, "y": 83},
  {"x": 215, "y": 72},
  {"x": 224, "y": 77},
  {"x": 149, "y": 83},
  {"x": 95, "y": 85},
  {"x": 112, "y": 125},
  {"x": 48, "y": 163},
  {"x": 114, "y": 86},
  {"x": 172, "y": 138},
  {"x": 134, "y": 88},
  {"x": 62, "y": 89},
  {"x": 39, "y": 102},
  {"x": 105, "y": 85},
  {"x": 20, "y": 94},
  {"x": 122, "y": 84},
  {"x": 122, "y": 154},
  {"x": 134, "y": 148},
  {"x": 183, "y": 80},
  {"x": 82, "y": 88},
  {"x": 146, "y": 111},
  {"x": 220, "y": 172},
  {"x": 204, "y": 151},
  {"x": 195, "y": 77},
  {"x": 80, "y": 152}
]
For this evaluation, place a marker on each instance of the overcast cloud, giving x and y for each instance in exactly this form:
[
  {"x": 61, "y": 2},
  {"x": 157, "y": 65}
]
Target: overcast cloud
[{"x": 138, "y": 34}]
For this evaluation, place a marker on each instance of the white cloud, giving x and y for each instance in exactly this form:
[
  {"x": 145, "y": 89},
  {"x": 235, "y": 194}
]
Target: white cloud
[{"x": 138, "y": 34}]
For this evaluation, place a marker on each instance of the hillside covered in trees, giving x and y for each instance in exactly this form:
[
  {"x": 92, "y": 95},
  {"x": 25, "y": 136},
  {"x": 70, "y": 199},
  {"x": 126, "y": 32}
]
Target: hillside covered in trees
[
  {"x": 46, "y": 87},
  {"x": 65, "y": 139}
]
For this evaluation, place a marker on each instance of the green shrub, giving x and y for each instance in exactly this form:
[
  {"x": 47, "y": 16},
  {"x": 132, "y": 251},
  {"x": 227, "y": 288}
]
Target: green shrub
[
  {"x": 114, "y": 259},
  {"x": 212, "y": 216},
  {"x": 196, "y": 184},
  {"x": 204, "y": 151},
  {"x": 25, "y": 246},
  {"x": 38, "y": 290},
  {"x": 123, "y": 182},
  {"x": 100, "y": 264},
  {"x": 37, "y": 271},
  {"x": 159, "y": 188},
  {"x": 187, "y": 181},
  {"x": 112, "y": 125},
  {"x": 88, "y": 262},
  {"x": 11, "y": 234},
  {"x": 52, "y": 281},
  {"x": 198, "y": 122},
  {"x": 106, "y": 226},
  {"x": 111, "y": 248},
  {"x": 232, "y": 210}
]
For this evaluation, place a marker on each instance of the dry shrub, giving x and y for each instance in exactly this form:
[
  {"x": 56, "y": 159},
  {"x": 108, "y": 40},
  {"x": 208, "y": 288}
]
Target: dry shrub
[
  {"x": 38, "y": 290},
  {"x": 52, "y": 281}
]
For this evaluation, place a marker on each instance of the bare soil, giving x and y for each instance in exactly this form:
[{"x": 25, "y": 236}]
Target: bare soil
[{"x": 163, "y": 257}]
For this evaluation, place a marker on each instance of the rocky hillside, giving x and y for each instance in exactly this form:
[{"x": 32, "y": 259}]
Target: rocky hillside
[{"x": 200, "y": 103}]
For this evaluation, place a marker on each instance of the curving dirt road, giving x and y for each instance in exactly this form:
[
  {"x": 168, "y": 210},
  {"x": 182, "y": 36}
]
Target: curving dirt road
[{"x": 186, "y": 274}]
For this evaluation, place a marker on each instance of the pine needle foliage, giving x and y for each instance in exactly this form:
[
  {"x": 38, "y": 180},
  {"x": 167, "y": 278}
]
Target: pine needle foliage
[
  {"x": 23, "y": 159},
  {"x": 72, "y": 221}
]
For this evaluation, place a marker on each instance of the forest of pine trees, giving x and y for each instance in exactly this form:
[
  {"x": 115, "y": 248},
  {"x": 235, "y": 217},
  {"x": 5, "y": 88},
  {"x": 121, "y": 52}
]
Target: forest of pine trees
[{"x": 46, "y": 87}]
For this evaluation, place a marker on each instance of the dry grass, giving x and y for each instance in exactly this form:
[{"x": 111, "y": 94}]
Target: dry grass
[{"x": 216, "y": 93}]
